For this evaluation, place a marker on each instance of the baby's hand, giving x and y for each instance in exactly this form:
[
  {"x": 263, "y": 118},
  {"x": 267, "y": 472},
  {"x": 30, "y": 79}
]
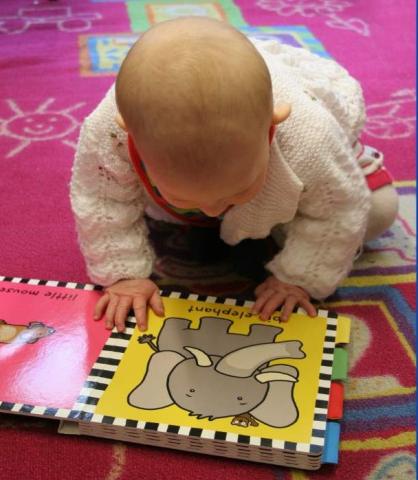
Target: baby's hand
[
  {"x": 124, "y": 295},
  {"x": 273, "y": 293}
]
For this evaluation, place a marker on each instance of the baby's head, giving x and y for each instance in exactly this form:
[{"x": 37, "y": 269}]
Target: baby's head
[{"x": 196, "y": 97}]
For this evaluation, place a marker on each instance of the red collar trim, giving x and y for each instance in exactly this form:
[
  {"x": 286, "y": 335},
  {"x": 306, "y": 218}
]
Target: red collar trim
[
  {"x": 138, "y": 166},
  {"x": 137, "y": 163}
]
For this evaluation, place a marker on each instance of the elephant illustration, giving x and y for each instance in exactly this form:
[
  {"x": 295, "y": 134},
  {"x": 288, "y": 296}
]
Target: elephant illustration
[{"x": 212, "y": 373}]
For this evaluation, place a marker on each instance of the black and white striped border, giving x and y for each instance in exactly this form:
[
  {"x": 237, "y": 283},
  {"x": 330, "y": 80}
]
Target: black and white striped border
[
  {"x": 37, "y": 410},
  {"x": 106, "y": 366},
  {"x": 102, "y": 373},
  {"x": 51, "y": 283}
]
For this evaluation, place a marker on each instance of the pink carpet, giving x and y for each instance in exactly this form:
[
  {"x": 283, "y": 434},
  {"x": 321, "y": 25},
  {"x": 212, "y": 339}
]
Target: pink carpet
[{"x": 57, "y": 60}]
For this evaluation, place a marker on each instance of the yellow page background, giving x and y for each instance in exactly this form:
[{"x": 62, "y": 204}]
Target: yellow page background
[{"x": 131, "y": 370}]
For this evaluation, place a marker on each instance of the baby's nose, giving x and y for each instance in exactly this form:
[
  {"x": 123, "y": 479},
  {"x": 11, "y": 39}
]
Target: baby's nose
[{"x": 213, "y": 211}]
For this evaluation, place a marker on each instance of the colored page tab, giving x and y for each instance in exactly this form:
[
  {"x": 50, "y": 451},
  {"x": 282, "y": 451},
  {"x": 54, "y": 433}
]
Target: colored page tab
[
  {"x": 340, "y": 365},
  {"x": 332, "y": 443},
  {"x": 343, "y": 330},
  {"x": 336, "y": 400}
]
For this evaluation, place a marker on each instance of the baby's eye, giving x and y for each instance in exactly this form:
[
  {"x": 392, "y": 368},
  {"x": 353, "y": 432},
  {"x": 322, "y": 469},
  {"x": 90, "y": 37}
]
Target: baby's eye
[
  {"x": 239, "y": 398},
  {"x": 192, "y": 390}
]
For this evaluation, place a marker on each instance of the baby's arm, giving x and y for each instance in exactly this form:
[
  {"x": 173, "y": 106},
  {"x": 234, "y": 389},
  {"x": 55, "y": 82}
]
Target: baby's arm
[
  {"x": 316, "y": 142},
  {"x": 108, "y": 204},
  {"x": 317, "y": 255},
  {"x": 323, "y": 238}
]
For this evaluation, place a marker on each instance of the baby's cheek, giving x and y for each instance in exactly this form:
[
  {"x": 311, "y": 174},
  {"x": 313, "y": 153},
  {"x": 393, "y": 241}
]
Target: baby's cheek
[{"x": 240, "y": 200}]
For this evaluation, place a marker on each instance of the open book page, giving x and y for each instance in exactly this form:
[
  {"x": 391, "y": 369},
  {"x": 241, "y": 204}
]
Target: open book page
[
  {"x": 215, "y": 367},
  {"x": 48, "y": 343}
]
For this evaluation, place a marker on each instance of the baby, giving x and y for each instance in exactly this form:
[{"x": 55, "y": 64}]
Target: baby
[{"x": 207, "y": 127}]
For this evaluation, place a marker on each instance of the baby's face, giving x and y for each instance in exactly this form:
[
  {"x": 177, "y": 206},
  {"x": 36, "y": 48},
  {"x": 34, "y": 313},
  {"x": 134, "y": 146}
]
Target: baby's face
[
  {"x": 217, "y": 194},
  {"x": 200, "y": 130},
  {"x": 214, "y": 204}
]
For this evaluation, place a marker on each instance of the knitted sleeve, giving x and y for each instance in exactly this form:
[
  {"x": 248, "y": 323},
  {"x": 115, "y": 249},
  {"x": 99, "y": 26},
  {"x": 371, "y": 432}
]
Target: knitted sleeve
[
  {"x": 328, "y": 229},
  {"x": 316, "y": 142},
  {"x": 108, "y": 201}
]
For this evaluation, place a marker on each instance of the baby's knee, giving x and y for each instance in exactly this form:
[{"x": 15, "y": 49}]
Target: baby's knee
[{"x": 383, "y": 211}]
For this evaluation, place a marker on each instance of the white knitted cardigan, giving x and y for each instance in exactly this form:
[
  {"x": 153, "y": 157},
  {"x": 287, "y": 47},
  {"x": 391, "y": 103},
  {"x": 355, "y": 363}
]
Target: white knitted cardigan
[{"x": 314, "y": 190}]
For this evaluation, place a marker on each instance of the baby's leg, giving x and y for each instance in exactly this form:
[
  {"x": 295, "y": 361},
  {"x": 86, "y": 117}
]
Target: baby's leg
[
  {"x": 384, "y": 200},
  {"x": 384, "y": 208}
]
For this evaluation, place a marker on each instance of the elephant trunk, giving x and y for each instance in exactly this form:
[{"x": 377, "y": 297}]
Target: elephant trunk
[{"x": 244, "y": 362}]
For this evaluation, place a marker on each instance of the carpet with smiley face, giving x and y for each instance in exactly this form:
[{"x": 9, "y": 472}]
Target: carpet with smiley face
[{"x": 58, "y": 59}]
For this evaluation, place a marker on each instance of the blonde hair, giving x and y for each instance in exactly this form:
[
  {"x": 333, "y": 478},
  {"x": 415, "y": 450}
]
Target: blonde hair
[{"x": 191, "y": 86}]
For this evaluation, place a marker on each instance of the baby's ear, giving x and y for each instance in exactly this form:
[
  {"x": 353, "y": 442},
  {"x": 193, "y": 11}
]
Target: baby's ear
[
  {"x": 120, "y": 121},
  {"x": 281, "y": 112}
]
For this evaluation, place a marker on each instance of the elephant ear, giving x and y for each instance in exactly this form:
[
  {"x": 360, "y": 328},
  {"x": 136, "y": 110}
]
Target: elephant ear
[{"x": 152, "y": 392}]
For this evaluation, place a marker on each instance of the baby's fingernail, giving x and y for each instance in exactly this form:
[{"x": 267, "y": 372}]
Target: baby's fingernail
[{"x": 142, "y": 327}]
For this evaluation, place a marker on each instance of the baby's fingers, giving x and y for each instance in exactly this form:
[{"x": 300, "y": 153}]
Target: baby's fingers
[
  {"x": 308, "y": 307},
  {"x": 271, "y": 305},
  {"x": 110, "y": 311},
  {"x": 157, "y": 304},
  {"x": 101, "y": 306},
  {"x": 122, "y": 312},
  {"x": 140, "y": 309},
  {"x": 288, "y": 307},
  {"x": 261, "y": 300}
]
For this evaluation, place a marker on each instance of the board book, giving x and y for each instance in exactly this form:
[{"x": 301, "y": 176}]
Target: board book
[{"x": 209, "y": 377}]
